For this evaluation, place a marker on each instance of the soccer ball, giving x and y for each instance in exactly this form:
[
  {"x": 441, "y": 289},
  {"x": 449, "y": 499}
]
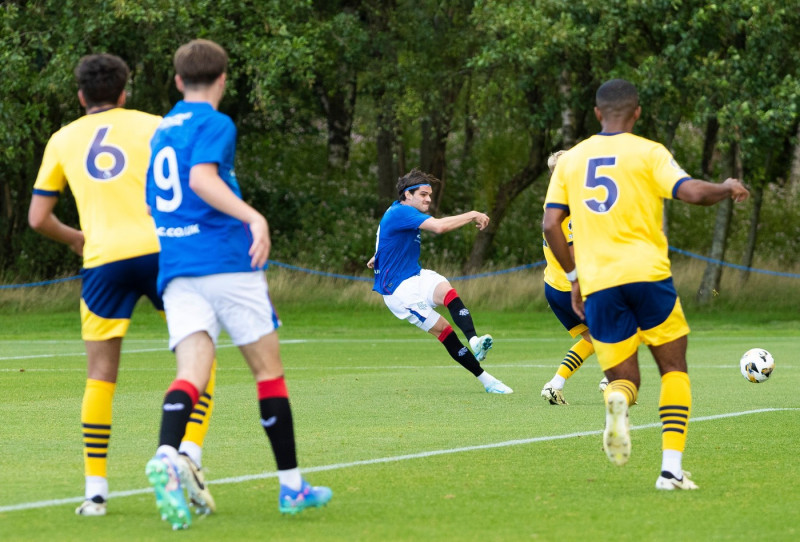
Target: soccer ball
[{"x": 756, "y": 365}]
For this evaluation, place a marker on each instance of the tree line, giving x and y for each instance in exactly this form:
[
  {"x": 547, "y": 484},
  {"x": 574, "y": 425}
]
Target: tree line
[{"x": 335, "y": 99}]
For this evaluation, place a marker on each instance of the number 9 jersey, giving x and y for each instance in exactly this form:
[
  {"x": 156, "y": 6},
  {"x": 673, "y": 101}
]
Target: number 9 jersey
[
  {"x": 196, "y": 239},
  {"x": 103, "y": 157},
  {"x": 614, "y": 186}
]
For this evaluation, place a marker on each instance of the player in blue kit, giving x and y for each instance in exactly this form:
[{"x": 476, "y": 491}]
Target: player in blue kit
[
  {"x": 214, "y": 248},
  {"x": 103, "y": 157},
  {"x": 412, "y": 293}
]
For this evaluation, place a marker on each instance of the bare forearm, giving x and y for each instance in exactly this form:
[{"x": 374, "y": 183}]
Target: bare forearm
[
  {"x": 52, "y": 228},
  {"x": 561, "y": 250},
  {"x": 450, "y": 223},
  {"x": 556, "y": 241},
  {"x": 704, "y": 193},
  {"x": 217, "y": 194}
]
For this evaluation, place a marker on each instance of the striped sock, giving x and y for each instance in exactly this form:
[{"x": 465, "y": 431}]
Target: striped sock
[
  {"x": 575, "y": 358},
  {"x": 674, "y": 407},
  {"x": 626, "y": 387},
  {"x": 197, "y": 427},
  {"x": 96, "y": 423}
]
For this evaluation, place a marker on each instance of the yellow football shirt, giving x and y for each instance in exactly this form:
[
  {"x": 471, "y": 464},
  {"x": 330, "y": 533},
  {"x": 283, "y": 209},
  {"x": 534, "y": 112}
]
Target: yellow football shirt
[
  {"x": 104, "y": 157},
  {"x": 554, "y": 274},
  {"x": 614, "y": 186}
]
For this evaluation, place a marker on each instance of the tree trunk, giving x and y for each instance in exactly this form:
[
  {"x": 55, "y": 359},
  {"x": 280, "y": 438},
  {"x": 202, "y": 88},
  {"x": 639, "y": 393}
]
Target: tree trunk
[
  {"x": 709, "y": 285},
  {"x": 339, "y": 107},
  {"x": 752, "y": 233},
  {"x": 568, "y": 129},
  {"x": 709, "y": 144},
  {"x": 469, "y": 124},
  {"x": 432, "y": 155},
  {"x": 435, "y": 131},
  {"x": 794, "y": 174},
  {"x": 506, "y": 194},
  {"x": 388, "y": 171}
]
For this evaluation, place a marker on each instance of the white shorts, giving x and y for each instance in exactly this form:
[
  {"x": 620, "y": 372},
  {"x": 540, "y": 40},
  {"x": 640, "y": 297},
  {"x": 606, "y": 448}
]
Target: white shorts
[
  {"x": 238, "y": 302},
  {"x": 413, "y": 299}
]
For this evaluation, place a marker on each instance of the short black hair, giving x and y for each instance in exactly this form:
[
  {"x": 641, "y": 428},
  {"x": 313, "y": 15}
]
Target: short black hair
[
  {"x": 617, "y": 98},
  {"x": 101, "y": 78},
  {"x": 412, "y": 178}
]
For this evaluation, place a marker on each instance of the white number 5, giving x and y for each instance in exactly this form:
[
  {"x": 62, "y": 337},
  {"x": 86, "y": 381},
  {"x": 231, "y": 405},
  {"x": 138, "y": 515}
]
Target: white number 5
[{"x": 170, "y": 182}]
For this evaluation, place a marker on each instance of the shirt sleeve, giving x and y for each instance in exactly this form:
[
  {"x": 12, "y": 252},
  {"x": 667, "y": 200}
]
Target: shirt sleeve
[
  {"x": 667, "y": 174},
  {"x": 557, "y": 190},
  {"x": 50, "y": 180},
  {"x": 213, "y": 141},
  {"x": 407, "y": 217}
]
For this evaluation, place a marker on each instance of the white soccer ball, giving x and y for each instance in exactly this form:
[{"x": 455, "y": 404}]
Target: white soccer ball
[{"x": 756, "y": 365}]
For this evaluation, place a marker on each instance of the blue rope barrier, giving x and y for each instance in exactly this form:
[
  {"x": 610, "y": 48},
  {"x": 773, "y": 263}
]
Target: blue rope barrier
[
  {"x": 733, "y": 265},
  {"x": 501, "y": 272},
  {"x": 315, "y": 272},
  {"x": 43, "y": 283},
  {"x": 463, "y": 277}
]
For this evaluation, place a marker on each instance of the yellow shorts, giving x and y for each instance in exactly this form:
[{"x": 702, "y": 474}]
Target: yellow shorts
[
  {"x": 109, "y": 294},
  {"x": 616, "y": 318}
]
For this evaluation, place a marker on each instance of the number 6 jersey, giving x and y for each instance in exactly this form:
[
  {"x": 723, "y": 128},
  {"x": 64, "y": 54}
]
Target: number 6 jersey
[
  {"x": 614, "y": 186},
  {"x": 196, "y": 239},
  {"x": 103, "y": 157}
]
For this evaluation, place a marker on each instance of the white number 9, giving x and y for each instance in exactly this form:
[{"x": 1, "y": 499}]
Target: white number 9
[{"x": 169, "y": 182}]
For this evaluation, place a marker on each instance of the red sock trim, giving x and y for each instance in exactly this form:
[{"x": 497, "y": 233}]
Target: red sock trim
[
  {"x": 272, "y": 388},
  {"x": 188, "y": 387},
  {"x": 449, "y": 296},
  {"x": 443, "y": 335}
]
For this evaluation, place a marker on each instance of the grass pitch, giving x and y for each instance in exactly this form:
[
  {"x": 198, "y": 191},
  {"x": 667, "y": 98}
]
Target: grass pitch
[{"x": 409, "y": 442}]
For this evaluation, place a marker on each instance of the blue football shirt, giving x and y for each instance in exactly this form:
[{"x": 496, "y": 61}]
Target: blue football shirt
[
  {"x": 196, "y": 239},
  {"x": 398, "y": 247}
]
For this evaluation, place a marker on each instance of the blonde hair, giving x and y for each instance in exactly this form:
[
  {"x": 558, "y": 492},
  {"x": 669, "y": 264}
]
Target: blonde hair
[{"x": 553, "y": 159}]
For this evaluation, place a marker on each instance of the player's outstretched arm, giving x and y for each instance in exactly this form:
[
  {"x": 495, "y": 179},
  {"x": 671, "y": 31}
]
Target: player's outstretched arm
[
  {"x": 705, "y": 193},
  {"x": 450, "y": 223},
  {"x": 205, "y": 181}
]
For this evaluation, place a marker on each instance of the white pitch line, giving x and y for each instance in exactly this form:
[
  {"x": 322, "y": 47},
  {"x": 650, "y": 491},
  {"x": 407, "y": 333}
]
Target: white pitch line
[
  {"x": 283, "y": 342},
  {"x": 125, "y": 352},
  {"x": 391, "y": 459},
  {"x": 289, "y": 368}
]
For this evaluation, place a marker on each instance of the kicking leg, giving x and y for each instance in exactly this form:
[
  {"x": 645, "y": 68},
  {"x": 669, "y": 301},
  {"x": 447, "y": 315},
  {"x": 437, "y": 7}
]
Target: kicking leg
[{"x": 445, "y": 334}]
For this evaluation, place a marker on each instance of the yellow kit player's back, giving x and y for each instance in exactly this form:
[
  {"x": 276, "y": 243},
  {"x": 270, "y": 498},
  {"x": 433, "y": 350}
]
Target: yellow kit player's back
[
  {"x": 103, "y": 157},
  {"x": 612, "y": 179}
]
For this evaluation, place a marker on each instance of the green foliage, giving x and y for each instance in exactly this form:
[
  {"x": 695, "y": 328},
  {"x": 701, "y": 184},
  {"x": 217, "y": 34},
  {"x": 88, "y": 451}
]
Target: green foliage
[{"x": 495, "y": 79}]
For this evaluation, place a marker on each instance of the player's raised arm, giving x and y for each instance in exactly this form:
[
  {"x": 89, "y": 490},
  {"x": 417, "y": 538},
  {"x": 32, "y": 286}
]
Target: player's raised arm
[
  {"x": 450, "y": 223},
  {"x": 700, "y": 192}
]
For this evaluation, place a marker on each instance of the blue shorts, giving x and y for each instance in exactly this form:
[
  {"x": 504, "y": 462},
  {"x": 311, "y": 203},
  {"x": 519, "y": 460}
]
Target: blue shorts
[
  {"x": 110, "y": 292},
  {"x": 561, "y": 304},
  {"x": 622, "y": 317}
]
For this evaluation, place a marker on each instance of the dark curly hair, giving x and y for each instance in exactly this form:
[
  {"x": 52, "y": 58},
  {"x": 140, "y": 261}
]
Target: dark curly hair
[
  {"x": 413, "y": 178},
  {"x": 101, "y": 78}
]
